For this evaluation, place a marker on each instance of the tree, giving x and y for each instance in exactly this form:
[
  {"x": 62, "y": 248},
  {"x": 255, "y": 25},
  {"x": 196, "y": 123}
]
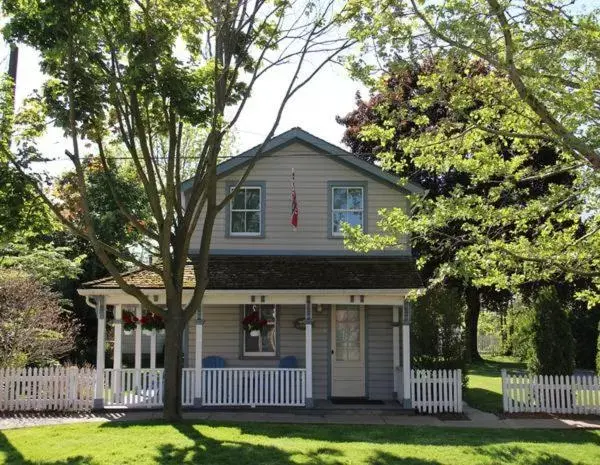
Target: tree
[
  {"x": 598, "y": 351},
  {"x": 553, "y": 349},
  {"x": 437, "y": 329},
  {"x": 438, "y": 245},
  {"x": 34, "y": 329},
  {"x": 541, "y": 91},
  {"x": 131, "y": 73}
]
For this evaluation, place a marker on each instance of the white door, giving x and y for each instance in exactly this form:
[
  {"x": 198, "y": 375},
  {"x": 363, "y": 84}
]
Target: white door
[{"x": 348, "y": 349}]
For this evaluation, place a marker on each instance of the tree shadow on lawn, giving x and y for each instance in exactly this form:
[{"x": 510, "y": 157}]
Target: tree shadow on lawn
[
  {"x": 417, "y": 435},
  {"x": 207, "y": 450},
  {"x": 481, "y": 443},
  {"x": 525, "y": 457},
  {"x": 14, "y": 457}
]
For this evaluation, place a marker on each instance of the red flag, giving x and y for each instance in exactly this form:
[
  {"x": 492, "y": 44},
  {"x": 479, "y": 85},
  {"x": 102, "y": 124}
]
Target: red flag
[{"x": 294, "y": 218}]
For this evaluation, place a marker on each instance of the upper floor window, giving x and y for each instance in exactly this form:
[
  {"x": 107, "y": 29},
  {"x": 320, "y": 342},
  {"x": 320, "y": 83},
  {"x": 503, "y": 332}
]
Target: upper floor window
[
  {"x": 246, "y": 212},
  {"x": 347, "y": 206}
]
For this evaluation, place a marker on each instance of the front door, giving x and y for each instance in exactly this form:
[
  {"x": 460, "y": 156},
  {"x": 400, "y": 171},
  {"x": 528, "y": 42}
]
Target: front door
[{"x": 348, "y": 351}]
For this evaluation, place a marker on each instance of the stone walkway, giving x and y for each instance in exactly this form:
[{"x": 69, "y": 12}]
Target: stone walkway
[{"x": 475, "y": 419}]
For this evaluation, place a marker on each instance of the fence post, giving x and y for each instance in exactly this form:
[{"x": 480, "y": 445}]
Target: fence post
[{"x": 504, "y": 391}]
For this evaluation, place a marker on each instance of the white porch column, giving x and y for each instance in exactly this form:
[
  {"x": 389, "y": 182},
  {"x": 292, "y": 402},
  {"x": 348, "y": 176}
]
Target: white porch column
[
  {"x": 308, "y": 354},
  {"x": 118, "y": 349},
  {"x": 138, "y": 347},
  {"x": 396, "y": 349},
  {"x": 100, "y": 362},
  {"x": 198, "y": 358},
  {"x": 406, "y": 397},
  {"x": 153, "y": 350}
]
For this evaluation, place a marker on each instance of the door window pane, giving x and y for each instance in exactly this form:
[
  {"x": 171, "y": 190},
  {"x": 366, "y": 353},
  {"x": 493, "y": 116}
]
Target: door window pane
[{"x": 347, "y": 334}]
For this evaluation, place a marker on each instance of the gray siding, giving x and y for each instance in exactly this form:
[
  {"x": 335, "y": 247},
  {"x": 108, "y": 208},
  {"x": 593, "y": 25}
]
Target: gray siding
[
  {"x": 321, "y": 354},
  {"x": 380, "y": 361},
  {"x": 222, "y": 337},
  {"x": 312, "y": 172}
]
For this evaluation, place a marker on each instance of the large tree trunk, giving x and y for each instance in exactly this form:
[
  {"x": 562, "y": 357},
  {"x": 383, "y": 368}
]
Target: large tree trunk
[
  {"x": 473, "y": 301},
  {"x": 174, "y": 327}
]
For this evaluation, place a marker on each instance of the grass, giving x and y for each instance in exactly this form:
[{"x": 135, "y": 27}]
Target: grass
[
  {"x": 484, "y": 390},
  {"x": 239, "y": 444}
]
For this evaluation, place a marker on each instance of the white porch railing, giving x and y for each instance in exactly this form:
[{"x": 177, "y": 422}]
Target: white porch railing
[
  {"x": 550, "y": 394},
  {"x": 220, "y": 387},
  {"x": 143, "y": 388},
  {"x": 50, "y": 388},
  {"x": 254, "y": 386},
  {"x": 435, "y": 391}
]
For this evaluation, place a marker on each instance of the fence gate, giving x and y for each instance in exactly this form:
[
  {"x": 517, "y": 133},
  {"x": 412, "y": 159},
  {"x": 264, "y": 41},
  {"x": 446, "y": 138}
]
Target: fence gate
[{"x": 435, "y": 391}]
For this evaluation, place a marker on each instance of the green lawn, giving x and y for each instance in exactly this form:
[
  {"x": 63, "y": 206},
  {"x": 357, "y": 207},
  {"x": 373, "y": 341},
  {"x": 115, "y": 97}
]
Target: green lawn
[
  {"x": 484, "y": 390},
  {"x": 253, "y": 444}
]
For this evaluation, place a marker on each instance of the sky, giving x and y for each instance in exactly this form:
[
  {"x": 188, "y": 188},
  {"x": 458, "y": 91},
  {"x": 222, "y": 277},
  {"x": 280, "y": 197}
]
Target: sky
[{"x": 314, "y": 107}]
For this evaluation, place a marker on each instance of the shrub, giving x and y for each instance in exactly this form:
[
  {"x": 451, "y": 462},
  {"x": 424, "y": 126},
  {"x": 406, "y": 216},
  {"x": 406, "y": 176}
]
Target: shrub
[
  {"x": 437, "y": 331},
  {"x": 552, "y": 349},
  {"x": 34, "y": 329},
  {"x": 598, "y": 352}
]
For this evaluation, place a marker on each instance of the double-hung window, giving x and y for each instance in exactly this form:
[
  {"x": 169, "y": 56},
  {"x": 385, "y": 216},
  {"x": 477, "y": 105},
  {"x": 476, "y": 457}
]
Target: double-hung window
[
  {"x": 259, "y": 327},
  {"x": 347, "y": 206},
  {"x": 245, "y": 212}
]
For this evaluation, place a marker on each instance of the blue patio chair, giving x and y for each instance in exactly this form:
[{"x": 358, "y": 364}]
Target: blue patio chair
[
  {"x": 288, "y": 362},
  {"x": 214, "y": 361}
]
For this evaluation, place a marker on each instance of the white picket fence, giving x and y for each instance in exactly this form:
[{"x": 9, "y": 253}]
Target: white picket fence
[
  {"x": 435, "y": 391},
  {"x": 254, "y": 386},
  {"x": 50, "y": 388},
  {"x": 550, "y": 394}
]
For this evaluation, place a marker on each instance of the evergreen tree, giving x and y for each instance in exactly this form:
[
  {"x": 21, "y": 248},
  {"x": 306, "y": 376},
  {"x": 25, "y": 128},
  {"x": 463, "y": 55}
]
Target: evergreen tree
[{"x": 553, "y": 345}]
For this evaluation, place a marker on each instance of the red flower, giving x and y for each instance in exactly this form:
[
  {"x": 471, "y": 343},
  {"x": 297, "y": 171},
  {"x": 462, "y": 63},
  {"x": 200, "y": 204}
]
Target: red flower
[{"x": 253, "y": 322}]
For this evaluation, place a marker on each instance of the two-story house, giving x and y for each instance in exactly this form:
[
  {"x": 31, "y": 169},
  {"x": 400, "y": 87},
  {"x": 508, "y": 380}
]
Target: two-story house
[{"x": 290, "y": 317}]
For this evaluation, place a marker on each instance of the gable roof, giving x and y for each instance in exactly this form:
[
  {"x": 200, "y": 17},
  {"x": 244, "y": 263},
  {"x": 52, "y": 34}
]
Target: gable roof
[{"x": 299, "y": 135}]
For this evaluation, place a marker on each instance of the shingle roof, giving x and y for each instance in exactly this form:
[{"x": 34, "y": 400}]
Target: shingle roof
[{"x": 227, "y": 272}]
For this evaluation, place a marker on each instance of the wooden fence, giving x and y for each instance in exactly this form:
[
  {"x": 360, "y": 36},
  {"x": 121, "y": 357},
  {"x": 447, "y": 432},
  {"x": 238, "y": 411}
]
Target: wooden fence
[
  {"x": 435, "y": 391},
  {"x": 550, "y": 394},
  {"x": 51, "y": 388}
]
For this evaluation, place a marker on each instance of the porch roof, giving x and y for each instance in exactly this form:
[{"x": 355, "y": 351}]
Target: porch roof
[{"x": 229, "y": 272}]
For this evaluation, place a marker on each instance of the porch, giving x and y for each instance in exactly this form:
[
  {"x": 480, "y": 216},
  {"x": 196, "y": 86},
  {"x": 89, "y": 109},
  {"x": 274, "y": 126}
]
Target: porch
[
  {"x": 341, "y": 323},
  {"x": 345, "y": 350}
]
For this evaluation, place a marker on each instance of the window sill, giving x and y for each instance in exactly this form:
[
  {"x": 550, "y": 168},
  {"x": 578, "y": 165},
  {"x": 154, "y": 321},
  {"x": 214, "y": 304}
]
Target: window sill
[{"x": 259, "y": 357}]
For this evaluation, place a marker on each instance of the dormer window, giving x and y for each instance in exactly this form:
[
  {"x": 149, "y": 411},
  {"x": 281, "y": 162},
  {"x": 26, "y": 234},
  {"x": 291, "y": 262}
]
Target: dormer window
[{"x": 346, "y": 205}]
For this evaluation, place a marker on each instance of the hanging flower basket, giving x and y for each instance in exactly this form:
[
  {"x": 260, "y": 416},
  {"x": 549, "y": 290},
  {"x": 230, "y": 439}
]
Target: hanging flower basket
[
  {"x": 253, "y": 324},
  {"x": 130, "y": 322},
  {"x": 152, "y": 321}
]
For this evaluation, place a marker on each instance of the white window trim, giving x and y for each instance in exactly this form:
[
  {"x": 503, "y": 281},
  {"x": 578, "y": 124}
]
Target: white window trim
[
  {"x": 262, "y": 354},
  {"x": 245, "y": 210},
  {"x": 333, "y": 210}
]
